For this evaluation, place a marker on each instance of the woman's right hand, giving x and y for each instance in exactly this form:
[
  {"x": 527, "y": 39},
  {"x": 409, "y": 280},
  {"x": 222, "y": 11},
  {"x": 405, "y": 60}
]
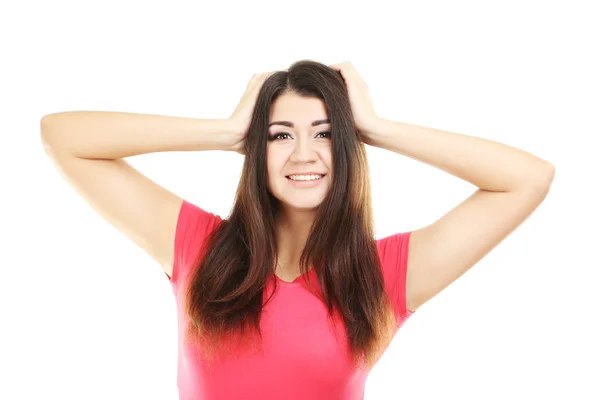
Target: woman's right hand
[{"x": 242, "y": 115}]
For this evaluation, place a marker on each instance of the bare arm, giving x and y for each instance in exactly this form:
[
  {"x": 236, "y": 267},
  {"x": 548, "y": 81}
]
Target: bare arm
[
  {"x": 511, "y": 184},
  {"x": 112, "y": 135},
  {"x": 88, "y": 148}
]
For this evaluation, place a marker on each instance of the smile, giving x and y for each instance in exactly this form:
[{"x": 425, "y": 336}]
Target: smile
[
  {"x": 305, "y": 177},
  {"x": 305, "y": 181}
]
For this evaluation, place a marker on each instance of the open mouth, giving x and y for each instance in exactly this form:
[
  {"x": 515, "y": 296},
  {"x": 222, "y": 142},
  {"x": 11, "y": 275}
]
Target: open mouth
[{"x": 306, "y": 178}]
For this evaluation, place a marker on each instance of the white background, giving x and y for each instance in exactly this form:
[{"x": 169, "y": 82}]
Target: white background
[{"x": 86, "y": 314}]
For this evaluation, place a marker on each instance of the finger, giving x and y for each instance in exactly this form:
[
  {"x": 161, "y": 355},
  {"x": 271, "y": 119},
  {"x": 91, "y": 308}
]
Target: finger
[
  {"x": 349, "y": 68},
  {"x": 267, "y": 74},
  {"x": 340, "y": 69},
  {"x": 352, "y": 71}
]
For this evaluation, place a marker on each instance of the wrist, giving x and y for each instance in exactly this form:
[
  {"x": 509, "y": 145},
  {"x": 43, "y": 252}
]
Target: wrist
[
  {"x": 213, "y": 134},
  {"x": 373, "y": 131},
  {"x": 230, "y": 132}
]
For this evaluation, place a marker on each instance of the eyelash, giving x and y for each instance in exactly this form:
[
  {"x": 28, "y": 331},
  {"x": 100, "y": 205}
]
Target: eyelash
[{"x": 274, "y": 137}]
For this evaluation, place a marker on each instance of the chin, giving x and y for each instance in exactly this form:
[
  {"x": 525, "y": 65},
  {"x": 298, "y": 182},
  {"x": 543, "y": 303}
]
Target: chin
[
  {"x": 304, "y": 207},
  {"x": 298, "y": 200},
  {"x": 298, "y": 204}
]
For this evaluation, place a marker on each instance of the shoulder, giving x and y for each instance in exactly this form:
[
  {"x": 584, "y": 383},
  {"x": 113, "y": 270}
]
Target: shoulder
[
  {"x": 194, "y": 225},
  {"x": 394, "y": 246},
  {"x": 393, "y": 256}
]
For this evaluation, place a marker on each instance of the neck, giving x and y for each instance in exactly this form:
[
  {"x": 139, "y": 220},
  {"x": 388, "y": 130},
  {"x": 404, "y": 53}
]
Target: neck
[{"x": 292, "y": 229}]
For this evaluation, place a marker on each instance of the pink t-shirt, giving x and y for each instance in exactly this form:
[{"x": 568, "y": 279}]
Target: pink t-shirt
[{"x": 302, "y": 358}]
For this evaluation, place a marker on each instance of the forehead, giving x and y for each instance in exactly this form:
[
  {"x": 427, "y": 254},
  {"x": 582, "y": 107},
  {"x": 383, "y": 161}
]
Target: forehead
[{"x": 301, "y": 111}]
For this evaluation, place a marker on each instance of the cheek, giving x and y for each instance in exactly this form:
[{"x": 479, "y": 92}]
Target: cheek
[
  {"x": 275, "y": 162},
  {"x": 327, "y": 157},
  {"x": 270, "y": 175},
  {"x": 274, "y": 168}
]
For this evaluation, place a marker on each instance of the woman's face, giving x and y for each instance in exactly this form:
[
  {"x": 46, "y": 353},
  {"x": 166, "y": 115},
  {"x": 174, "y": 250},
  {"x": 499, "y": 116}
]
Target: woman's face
[{"x": 302, "y": 148}]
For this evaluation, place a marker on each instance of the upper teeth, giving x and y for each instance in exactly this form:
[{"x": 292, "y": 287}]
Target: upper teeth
[{"x": 305, "y": 177}]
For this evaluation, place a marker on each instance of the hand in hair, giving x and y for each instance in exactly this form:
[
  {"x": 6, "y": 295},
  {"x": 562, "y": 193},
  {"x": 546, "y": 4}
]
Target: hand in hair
[
  {"x": 242, "y": 114},
  {"x": 360, "y": 101}
]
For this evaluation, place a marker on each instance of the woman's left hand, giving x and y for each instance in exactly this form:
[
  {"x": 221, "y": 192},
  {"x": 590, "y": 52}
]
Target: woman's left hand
[{"x": 360, "y": 101}]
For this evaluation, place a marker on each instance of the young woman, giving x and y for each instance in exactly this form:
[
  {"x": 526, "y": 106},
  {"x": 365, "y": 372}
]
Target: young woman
[{"x": 291, "y": 297}]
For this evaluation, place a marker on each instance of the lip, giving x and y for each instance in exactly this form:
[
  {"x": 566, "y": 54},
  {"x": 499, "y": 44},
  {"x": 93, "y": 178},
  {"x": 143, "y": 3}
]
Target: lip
[
  {"x": 306, "y": 184},
  {"x": 306, "y": 173}
]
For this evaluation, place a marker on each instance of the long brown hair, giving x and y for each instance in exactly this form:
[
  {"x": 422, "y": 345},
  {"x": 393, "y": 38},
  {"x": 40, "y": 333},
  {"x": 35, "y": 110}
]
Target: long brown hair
[{"x": 224, "y": 296}]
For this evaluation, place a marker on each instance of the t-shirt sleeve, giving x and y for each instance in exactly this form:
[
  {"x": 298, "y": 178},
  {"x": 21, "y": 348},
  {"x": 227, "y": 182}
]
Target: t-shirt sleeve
[
  {"x": 393, "y": 254},
  {"x": 193, "y": 226}
]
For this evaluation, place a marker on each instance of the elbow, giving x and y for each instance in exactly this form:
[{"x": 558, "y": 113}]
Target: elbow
[
  {"x": 48, "y": 131},
  {"x": 48, "y": 127},
  {"x": 48, "y": 120},
  {"x": 44, "y": 125},
  {"x": 548, "y": 173},
  {"x": 542, "y": 181}
]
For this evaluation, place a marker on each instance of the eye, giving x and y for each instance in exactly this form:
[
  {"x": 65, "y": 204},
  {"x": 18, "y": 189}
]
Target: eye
[
  {"x": 277, "y": 136},
  {"x": 328, "y": 134},
  {"x": 283, "y": 135}
]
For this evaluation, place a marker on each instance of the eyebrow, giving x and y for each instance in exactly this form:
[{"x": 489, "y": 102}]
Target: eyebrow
[{"x": 291, "y": 125}]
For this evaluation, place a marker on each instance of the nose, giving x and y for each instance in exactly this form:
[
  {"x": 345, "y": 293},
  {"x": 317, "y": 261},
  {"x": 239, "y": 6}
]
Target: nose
[{"x": 304, "y": 151}]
